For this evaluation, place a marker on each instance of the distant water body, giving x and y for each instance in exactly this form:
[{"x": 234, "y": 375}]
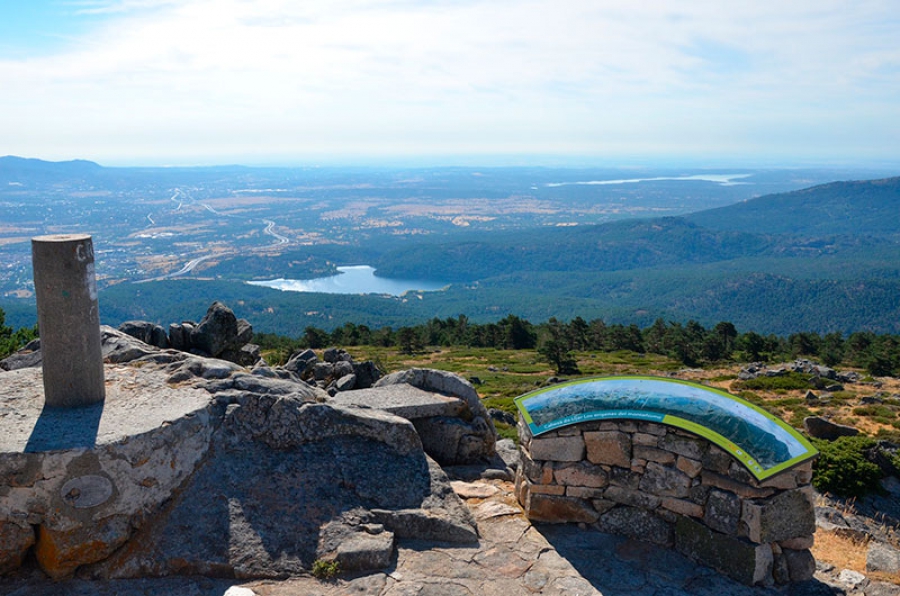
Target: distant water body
[
  {"x": 723, "y": 179},
  {"x": 359, "y": 279}
]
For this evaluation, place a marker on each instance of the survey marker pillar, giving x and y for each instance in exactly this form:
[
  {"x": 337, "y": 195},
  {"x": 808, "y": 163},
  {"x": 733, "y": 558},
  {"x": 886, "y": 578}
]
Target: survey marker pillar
[{"x": 65, "y": 285}]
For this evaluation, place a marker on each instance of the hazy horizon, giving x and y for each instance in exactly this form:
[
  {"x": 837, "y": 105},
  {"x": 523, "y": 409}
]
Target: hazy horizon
[{"x": 886, "y": 167}]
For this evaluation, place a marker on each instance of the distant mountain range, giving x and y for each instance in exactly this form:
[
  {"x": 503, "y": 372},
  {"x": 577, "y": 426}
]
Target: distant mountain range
[
  {"x": 816, "y": 260},
  {"x": 31, "y": 168},
  {"x": 857, "y": 208}
]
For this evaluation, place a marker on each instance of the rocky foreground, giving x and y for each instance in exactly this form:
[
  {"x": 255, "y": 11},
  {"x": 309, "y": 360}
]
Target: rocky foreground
[
  {"x": 512, "y": 557},
  {"x": 194, "y": 465},
  {"x": 234, "y": 481}
]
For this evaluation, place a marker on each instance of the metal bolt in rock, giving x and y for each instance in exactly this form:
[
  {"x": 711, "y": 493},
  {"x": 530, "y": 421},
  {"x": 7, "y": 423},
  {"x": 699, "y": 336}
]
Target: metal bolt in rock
[{"x": 69, "y": 319}]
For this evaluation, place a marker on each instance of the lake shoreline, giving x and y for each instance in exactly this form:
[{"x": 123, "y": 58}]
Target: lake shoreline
[{"x": 353, "y": 279}]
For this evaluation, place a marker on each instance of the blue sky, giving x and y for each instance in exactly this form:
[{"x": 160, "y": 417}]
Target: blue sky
[{"x": 278, "y": 81}]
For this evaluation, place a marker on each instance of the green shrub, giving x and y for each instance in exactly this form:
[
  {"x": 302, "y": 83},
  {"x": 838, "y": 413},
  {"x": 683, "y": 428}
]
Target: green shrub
[
  {"x": 787, "y": 402},
  {"x": 874, "y": 411},
  {"x": 885, "y": 434},
  {"x": 720, "y": 378},
  {"x": 797, "y": 415},
  {"x": 507, "y": 404},
  {"x": 787, "y": 382},
  {"x": 842, "y": 468},
  {"x": 325, "y": 569}
]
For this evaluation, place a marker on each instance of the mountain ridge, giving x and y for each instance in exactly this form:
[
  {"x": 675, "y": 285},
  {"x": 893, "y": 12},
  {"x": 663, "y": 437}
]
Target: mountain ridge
[{"x": 825, "y": 209}]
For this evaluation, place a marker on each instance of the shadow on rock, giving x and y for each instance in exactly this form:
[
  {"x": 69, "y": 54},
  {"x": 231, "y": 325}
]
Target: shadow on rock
[
  {"x": 58, "y": 429},
  {"x": 619, "y": 566}
]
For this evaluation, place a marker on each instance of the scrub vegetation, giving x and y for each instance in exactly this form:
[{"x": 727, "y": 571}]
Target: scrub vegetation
[
  {"x": 11, "y": 340},
  {"x": 513, "y": 356}
]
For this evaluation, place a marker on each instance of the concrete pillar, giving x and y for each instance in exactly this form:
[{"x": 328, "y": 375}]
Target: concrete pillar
[{"x": 66, "y": 288}]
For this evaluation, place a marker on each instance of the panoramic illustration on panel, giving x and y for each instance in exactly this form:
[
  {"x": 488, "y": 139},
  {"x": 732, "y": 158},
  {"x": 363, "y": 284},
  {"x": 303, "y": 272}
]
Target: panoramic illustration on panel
[{"x": 762, "y": 442}]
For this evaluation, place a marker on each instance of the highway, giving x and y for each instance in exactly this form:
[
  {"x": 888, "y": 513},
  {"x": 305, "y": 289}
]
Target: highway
[{"x": 270, "y": 225}]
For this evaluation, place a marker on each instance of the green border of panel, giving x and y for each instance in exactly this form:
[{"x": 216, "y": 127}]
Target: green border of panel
[{"x": 742, "y": 456}]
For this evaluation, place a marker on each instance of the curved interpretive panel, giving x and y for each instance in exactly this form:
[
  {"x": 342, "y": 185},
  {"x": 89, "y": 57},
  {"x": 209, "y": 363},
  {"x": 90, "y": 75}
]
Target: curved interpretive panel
[{"x": 762, "y": 442}]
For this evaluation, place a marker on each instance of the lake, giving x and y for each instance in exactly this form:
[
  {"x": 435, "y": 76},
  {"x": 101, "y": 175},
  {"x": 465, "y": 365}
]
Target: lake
[
  {"x": 722, "y": 179},
  {"x": 357, "y": 279}
]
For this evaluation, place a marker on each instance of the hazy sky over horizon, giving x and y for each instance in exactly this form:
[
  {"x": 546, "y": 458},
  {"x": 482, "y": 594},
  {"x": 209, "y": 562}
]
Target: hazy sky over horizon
[{"x": 155, "y": 82}]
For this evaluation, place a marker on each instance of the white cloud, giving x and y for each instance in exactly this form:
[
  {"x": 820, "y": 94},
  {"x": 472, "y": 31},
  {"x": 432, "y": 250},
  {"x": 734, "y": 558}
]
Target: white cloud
[
  {"x": 106, "y": 7},
  {"x": 196, "y": 79}
]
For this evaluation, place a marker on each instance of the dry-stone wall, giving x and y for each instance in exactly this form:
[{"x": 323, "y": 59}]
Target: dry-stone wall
[{"x": 663, "y": 485}]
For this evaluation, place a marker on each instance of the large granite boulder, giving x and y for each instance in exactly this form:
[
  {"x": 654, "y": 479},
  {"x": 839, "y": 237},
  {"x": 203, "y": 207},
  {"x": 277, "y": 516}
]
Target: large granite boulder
[
  {"x": 27, "y": 357},
  {"x": 147, "y": 332},
  {"x": 822, "y": 428},
  {"x": 301, "y": 362},
  {"x": 280, "y": 474},
  {"x": 86, "y": 478},
  {"x": 461, "y": 438},
  {"x": 220, "y": 333}
]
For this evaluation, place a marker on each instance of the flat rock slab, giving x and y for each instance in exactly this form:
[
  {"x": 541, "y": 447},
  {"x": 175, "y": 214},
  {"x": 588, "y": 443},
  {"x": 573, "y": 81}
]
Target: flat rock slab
[
  {"x": 137, "y": 401},
  {"x": 402, "y": 400},
  {"x": 474, "y": 490}
]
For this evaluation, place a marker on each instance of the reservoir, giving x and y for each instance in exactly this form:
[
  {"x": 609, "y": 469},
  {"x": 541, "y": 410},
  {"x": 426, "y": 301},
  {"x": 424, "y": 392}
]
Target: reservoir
[
  {"x": 358, "y": 279},
  {"x": 722, "y": 179}
]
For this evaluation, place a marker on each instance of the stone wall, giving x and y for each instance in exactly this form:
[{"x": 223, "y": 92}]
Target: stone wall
[{"x": 663, "y": 485}]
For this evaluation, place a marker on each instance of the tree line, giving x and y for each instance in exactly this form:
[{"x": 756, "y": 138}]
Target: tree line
[{"x": 558, "y": 341}]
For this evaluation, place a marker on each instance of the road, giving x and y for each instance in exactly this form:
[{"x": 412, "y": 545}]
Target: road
[
  {"x": 180, "y": 196},
  {"x": 270, "y": 225}
]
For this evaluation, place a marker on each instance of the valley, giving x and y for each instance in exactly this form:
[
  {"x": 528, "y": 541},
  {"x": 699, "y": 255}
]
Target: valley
[{"x": 626, "y": 244}]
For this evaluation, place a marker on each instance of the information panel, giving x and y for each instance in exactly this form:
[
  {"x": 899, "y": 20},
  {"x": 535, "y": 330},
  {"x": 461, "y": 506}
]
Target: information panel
[{"x": 761, "y": 441}]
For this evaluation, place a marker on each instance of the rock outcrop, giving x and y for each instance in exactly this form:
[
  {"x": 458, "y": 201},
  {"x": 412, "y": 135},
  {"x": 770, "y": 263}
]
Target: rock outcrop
[
  {"x": 822, "y": 428},
  {"x": 336, "y": 372},
  {"x": 196, "y": 465},
  {"x": 149, "y": 333},
  {"x": 451, "y": 439},
  {"x": 220, "y": 334},
  {"x": 820, "y": 376}
]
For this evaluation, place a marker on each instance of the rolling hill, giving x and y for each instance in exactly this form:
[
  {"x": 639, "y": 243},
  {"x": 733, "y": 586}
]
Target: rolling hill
[{"x": 855, "y": 208}]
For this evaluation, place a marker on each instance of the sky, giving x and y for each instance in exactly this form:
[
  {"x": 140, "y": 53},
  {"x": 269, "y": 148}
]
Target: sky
[{"x": 189, "y": 82}]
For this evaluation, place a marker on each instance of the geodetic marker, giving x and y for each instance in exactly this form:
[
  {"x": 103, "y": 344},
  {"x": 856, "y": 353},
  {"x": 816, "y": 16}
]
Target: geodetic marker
[{"x": 65, "y": 285}]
